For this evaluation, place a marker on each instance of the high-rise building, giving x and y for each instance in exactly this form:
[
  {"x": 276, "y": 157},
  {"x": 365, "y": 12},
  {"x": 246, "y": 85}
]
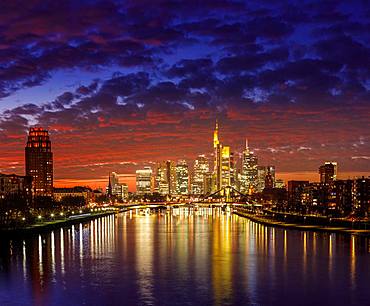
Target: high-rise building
[
  {"x": 120, "y": 191},
  {"x": 261, "y": 177},
  {"x": 361, "y": 199},
  {"x": 327, "y": 172},
  {"x": 39, "y": 161},
  {"x": 208, "y": 183},
  {"x": 166, "y": 178},
  {"x": 279, "y": 183},
  {"x": 249, "y": 170},
  {"x": 226, "y": 166},
  {"x": 271, "y": 169},
  {"x": 115, "y": 188},
  {"x": 114, "y": 179},
  {"x": 217, "y": 166},
  {"x": 224, "y": 171},
  {"x": 234, "y": 182},
  {"x": 144, "y": 181},
  {"x": 161, "y": 184},
  {"x": 171, "y": 177},
  {"x": 269, "y": 181},
  {"x": 182, "y": 177},
  {"x": 335, "y": 164},
  {"x": 201, "y": 168}
]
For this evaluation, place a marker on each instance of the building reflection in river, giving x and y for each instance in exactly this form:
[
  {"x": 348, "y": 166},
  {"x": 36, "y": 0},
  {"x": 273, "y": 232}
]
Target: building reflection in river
[{"x": 178, "y": 255}]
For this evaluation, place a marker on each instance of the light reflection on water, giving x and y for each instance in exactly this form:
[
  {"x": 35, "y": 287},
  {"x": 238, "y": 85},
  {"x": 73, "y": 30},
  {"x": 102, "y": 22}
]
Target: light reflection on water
[{"x": 183, "y": 257}]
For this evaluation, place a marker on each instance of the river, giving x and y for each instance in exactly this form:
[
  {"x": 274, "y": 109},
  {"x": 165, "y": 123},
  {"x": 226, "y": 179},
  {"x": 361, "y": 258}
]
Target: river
[{"x": 184, "y": 257}]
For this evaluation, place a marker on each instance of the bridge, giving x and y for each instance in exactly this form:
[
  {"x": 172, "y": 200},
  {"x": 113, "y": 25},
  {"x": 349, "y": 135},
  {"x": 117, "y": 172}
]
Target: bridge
[{"x": 224, "y": 197}]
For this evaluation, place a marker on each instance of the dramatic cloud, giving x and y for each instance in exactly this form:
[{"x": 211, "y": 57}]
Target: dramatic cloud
[{"x": 123, "y": 85}]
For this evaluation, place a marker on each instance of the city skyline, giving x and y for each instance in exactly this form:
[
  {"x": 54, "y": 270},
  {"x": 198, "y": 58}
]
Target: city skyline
[{"x": 246, "y": 158}]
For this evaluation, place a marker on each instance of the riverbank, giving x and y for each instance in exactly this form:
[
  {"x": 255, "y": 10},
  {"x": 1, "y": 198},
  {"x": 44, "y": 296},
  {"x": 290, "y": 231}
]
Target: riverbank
[
  {"x": 45, "y": 226},
  {"x": 304, "y": 227}
]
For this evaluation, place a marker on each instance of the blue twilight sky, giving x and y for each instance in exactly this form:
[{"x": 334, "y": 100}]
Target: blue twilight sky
[{"x": 128, "y": 83}]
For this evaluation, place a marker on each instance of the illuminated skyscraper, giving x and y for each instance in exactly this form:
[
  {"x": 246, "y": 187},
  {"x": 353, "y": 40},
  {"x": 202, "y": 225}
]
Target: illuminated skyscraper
[
  {"x": 226, "y": 166},
  {"x": 166, "y": 178},
  {"x": 261, "y": 177},
  {"x": 265, "y": 174},
  {"x": 271, "y": 169},
  {"x": 249, "y": 170},
  {"x": 223, "y": 172},
  {"x": 201, "y": 168},
  {"x": 217, "y": 167},
  {"x": 115, "y": 188},
  {"x": 39, "y": 161},
  {"x": 161, "y": 184},
  {"x": 114, "y": 179},
  {"x": 182, "y": 177},
  {"x": 144, "y": 181}
]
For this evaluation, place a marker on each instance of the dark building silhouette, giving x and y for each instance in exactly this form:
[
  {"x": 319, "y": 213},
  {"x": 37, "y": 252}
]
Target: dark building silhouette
[
  {"x": 269, "y": 181},
  {"x": 295, "y": 190},
  {"x": 39, "y": 161},
  {"x": 361, "y": 193},
  {"x": 344, "y": 196},
  {"x": 327, "y": 173}
]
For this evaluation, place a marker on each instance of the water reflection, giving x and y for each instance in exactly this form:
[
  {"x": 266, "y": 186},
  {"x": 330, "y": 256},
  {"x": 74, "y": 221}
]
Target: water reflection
[{"x": 179, "y": 256}]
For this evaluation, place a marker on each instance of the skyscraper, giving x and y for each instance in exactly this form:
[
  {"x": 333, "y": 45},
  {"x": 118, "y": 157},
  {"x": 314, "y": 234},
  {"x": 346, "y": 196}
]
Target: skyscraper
[
  {"x": 249, "y": 170},
  {"x": 182, "y": 177},
  {"x": 271, "y": 170},
  {"x": 226, "y": 166},
  {"x": 335, "y": 164},
  {"x": 217, "y": 166},
  {"x": 39, "y": 161},
  {"x": 223, "y": 171},
  {"x": 166, "y": 178},
  {"x": 115, "y": 188},
  {"x": 201, "y": 168},
  {"x": 144, "y": 181},
  {"x": 161, "y": 184},
  {"x": 327, "y": 172},
  {"x": 269, "y": 181},
  {"x": 261, "y": 177}
]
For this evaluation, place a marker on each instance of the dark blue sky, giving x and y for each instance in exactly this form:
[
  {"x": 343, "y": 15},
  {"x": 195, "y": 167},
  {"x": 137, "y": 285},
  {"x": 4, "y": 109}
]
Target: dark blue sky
[{"x": 145, "y": 80}]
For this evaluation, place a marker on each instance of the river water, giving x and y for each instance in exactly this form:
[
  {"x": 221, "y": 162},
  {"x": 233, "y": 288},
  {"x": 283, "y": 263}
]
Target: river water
[{"x": 184, "y": 257}]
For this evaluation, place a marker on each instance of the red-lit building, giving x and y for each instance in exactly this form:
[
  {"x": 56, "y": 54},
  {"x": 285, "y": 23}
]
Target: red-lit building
[{"x": 39, "y": 161}]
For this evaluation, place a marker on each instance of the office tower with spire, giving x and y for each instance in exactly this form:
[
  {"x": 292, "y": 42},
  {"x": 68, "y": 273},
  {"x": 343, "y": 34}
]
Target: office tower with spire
[
  {"x": 182, "y": 178},
  {"x": 217, "y": 167},
  {"x": 249, "y": 170},
  {"x": 39, "y": 161},
  {"x": 223, "y": 171}
]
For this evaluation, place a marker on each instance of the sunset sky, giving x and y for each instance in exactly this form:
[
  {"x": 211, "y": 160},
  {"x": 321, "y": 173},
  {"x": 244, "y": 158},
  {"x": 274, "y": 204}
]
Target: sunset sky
[{"x": 120, "y": 86}]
